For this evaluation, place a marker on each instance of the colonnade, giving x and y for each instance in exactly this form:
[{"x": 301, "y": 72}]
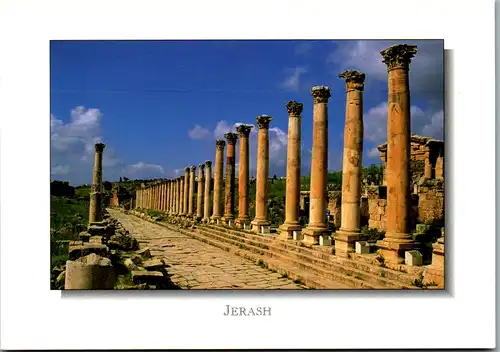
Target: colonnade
[{"x": 176, "y": 196}]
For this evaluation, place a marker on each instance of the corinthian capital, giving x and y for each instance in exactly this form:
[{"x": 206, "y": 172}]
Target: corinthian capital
[
  {"x": 294, "y": 108},
  {"x": 320, "y": 94},
  {"x": 353, "y": 79},
  {"x": 208, "y": 163},
  {"x": 231, "y": 138},
  {"x": 398, "y": 56},
  {"x": 244, "y": 130},
  {"x": 99, "y": 147},
  {"x": 263, "y": 121},
  {"x": 220, "y": 144}
]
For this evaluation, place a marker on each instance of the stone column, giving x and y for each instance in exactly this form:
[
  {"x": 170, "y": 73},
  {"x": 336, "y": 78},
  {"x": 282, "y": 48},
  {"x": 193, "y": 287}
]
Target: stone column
[
  {"x": 95, "y": 208},
  {"x": 228, "y": 218},
  {"x": 192, "y": 176},
  {"x": 185, "y": 199},
  {"x": 176, "y": 196},
  {"x": 427, "y": 165},
  {"x": 182, "y": 189},
  {"x": 260, "y": 223},
  {"x": 352, "y": 168},
  {"x": 208, "y": 181},
  {"x": 397, "y": 239},
  {"x": 291, "y": 225},
  {"x": 201, "y": 189},
  {"x": 243, "y": 220},
  {"x": 219, "y": 169},
  {"x": 439, "y": 168},
  {"x": 316, "y": 231},
  {"x": 169, "y": 196}
]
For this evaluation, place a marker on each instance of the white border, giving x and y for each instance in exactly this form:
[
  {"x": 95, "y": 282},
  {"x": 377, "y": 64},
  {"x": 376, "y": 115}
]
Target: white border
[{"x": 32, "y": 317}]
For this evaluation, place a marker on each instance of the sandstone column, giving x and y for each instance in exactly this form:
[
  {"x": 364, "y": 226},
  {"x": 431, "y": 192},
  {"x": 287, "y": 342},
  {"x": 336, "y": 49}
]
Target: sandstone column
[
  {"x": 228, "y": 218},
  {"x": 176, "y": 196},
  {"x": 208, "y": 181},
  {"x": 182, "y": 189},
  {"x": 316, "y": 231},
  {"x": 243, "y": 220},
  {"x": 260, "y": 223},
  {"x": 218, "y": 173},
  {"x": 169, "y": 197},
  {"x": 427, "y": 166},
  {"x": 95, "y": 208},
  {"x": 192, "y": 176},
  {"x": 292, "y": 199},
  {"x": 352, "y": 169},
  {"x": 201, "y": 189},
  {"x": 397, "y": 238},
  {"x": 185, "y": 202}
]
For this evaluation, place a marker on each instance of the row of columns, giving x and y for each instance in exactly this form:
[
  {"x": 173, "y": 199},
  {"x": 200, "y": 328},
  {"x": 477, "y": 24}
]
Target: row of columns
[{"x": 397, "y": 238}]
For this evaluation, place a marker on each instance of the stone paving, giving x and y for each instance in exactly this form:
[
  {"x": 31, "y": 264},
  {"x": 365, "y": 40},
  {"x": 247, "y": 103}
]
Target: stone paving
[{"x": 193, "y": 264}]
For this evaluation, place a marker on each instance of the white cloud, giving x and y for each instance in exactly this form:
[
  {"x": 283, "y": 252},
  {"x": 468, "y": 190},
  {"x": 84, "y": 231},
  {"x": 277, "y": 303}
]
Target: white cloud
[
  {"x": 424, "y": 123},
  {"x": 426, "y": 68},
  {"x": 73, "y": 147},
  {"x": 198, "y": 132},
  {"x": 292, "y": 81},
  {"x": 222, "y": 128}
]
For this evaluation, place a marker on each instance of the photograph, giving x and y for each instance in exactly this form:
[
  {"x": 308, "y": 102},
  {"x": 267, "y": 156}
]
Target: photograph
[{"x": 247, "y": 165}]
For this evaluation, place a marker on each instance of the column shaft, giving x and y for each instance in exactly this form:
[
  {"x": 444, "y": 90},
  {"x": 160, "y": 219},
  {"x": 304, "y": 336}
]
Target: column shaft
[
  {"x": 243, "y": 175},
  {"x": 208, "y": 181},
  {"x": 201, "y": 189},
  {"x": 191, "y": 191},
  {"x": 230, "y": 178},
  {"x": 292, "y": 200},
  {"x": 319, "y": 164},
  {"x": 218, "y": 174}
]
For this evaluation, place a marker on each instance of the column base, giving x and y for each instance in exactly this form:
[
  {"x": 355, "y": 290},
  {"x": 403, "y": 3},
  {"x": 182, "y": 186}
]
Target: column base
[
  {"x": 345, "y": 242},
  {"x": 215, "y": 220},
  {"x": 205, "y": 220},
  {"x": 228, "y": 220},
  {"x": 289, "y": 232},
  {"x": 312, "y": 236},
  {"x": 242, "y": 223},
  {"x": 393, "y": 249},
  {"x": 261, "y": 226}
]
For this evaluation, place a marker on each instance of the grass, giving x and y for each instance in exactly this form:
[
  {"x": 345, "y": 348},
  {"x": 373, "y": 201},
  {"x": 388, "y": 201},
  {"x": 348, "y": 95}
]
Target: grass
[{"x": 68, "y": 217}]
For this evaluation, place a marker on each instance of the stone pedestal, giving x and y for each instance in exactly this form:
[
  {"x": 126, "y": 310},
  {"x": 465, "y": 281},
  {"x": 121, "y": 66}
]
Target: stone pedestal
[
  {"x": 91, "y": 272},
  {"x": 292, "y": 199},
  {"x": 218, "y": 173},
  {"x": 319, "y": 165},
  {"x": 95, "y": 207},
  {"x": 352, "y": 168},
  {"x": 398, "y": 239},
  {"x": 208, "y": 181},
  {"x": 228, "y": 218},
  {"x": 434, "y": 273},
  {"x": 260, "y": 223},
  {"x": 243, "y": 174},
  {"x": 201, "y": 190}
]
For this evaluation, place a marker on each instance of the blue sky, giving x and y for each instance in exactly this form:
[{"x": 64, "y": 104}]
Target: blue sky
[{"x": 160, "y": 105}]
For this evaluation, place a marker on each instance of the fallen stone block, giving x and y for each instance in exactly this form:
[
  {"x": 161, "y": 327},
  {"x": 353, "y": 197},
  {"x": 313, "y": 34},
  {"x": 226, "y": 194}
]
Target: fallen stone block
[
  {"x": 85, "y": 249},
  {"x": 147, "y": 277},
  {"x": 95, "y": 230},
  {"x": 84, "y": 236},
  {"x": 95, "y": 239},
  {"x": 75, "y": 243},
  {"x": 153, "y": 265},
  {"x": 362, "y": 247},
  {"x": 136, "y": 259},
  {"x": 145, "y": 252},
  {"x": 413, "y": 258},
  {"x": 91, "y": 272}
]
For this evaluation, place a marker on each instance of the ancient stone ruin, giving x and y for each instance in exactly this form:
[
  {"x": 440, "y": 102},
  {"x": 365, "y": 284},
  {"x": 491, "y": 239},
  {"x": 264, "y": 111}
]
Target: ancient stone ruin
[{"x": 379, "y": 230}]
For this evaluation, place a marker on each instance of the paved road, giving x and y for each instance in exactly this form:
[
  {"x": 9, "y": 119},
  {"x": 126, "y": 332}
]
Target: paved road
[{"x": 196, "y": 265}]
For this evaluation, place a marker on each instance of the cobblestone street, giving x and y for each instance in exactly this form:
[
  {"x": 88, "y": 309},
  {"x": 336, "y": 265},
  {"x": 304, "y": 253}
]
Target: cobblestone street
[{"x": 193, "y": 264}]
